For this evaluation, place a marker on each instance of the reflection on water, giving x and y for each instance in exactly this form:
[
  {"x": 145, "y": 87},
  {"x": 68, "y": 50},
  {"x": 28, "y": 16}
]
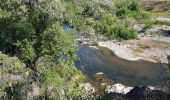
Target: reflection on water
[{"x": 119, "y": 70}]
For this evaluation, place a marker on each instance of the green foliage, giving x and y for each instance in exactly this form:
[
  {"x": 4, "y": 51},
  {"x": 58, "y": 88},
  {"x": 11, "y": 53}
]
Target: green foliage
[
  {"x": 134, "y": 5},
  {"x": 34, "y": 34},
  {"x": 32, "y": 31},
  {"x": 121, "y": 12},
  {"x": 122, "y": 32},
  {"x": 123, "y": 8},
  {"x": 140, "y": 15},
  {"x": 59, "y": 77},
  {"x": 10, "y": 65},
  {"x": 114, "y": 30},
  {"x": 60, "y": 42},
  {"x": 89, "y": 15},
  {"x": 13, "y": 75}
]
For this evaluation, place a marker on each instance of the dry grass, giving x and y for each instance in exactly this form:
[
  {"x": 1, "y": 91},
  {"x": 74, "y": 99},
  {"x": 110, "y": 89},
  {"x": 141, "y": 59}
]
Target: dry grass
[
  {"x": 137, "y": 50},
  {"x": 162, "y": 14},
  {"x": 162, "y": 44}
]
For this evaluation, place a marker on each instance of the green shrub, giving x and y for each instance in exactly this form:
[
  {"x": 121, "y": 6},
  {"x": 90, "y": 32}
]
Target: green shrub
[
  {"x": 127, "y": 7},
  {"x": 122, "y": 12},
  {"x": 139, "y": 15},
  {"x": 134, "y": 5},
  {"x": 122, "y": 32},
  {"x": 116, "y": 30}
]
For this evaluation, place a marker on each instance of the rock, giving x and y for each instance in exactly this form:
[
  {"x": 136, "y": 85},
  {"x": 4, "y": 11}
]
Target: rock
[
  {"x": 138, "y": 93},
  {"x": 89, "y": 92},
  {"x": 99, "y": 75},
  {"x": 163, "y": 19},
  {"x": 87, "y": 87},
  {"x": 168, "y": 57},
  {"x": 152, "y": 88},
  {"x": 138, "y": 27},
  {"x": 103, "y": 86},
  {"x": 36, "y": 89},
  {"x": 144, "y": 92},
  {"x": 163, "y": 29},
  {"x": 118, "y": 88},
  {"x": 94, "y": 47}
]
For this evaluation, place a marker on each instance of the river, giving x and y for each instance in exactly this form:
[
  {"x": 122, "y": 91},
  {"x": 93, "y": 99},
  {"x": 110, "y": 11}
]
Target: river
[{"x": 118, "y": 70}]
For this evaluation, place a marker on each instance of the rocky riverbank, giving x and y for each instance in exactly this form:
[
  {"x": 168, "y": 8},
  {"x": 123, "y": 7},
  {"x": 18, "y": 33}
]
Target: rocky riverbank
[
  {"x": 154, "y": 49},
  {"x": 151, "y": 49},
  {"x": 150, "y": 45},
  {"x": 125, "y": 92},
  {"x": 156, "y": 5},
  {"x": 122, "y": 50},
  {"x": 153, "y": 43},
  {"x": 139, "y": 93}
]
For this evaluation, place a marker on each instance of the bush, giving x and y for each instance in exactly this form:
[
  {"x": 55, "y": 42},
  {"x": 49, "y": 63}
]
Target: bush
[
  {"x": 134, "y": 5},
  {"x": 125, "y": 8},
  {"x": 122, "y": 12},
  {"x": 122, "y": 32},
  {"x": 116, "y": 30},
  {"x": 139, "y": 15}
]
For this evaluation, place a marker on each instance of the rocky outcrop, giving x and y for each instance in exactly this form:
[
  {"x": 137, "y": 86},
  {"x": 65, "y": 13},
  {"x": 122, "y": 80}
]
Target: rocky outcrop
[
  {"x": 138, "y": 93},
  {"x": 156, "y": 5}
]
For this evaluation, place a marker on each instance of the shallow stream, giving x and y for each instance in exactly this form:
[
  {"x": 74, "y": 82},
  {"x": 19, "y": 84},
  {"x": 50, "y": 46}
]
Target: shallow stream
[{"x": 118, "y": 70}]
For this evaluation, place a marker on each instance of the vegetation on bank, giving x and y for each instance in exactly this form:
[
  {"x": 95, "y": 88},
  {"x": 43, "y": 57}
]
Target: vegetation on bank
[
  {"x": 99, "y": 18},
  {"x": 149, "y": 21}
]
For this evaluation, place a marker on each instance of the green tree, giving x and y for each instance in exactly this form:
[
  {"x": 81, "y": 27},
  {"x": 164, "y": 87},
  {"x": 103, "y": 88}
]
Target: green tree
[{"x": 31, "y": 31}]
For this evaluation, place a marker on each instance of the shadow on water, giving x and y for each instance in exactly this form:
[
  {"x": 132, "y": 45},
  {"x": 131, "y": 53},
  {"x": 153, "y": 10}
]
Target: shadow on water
[{"x": 126, "y": 72}]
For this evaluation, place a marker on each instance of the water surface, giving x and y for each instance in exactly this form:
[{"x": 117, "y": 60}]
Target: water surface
[{"x": 130, "y": 73}]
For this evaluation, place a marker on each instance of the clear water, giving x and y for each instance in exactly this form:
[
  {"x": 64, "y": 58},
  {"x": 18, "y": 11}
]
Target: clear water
[{"x": 132, "y": 73}]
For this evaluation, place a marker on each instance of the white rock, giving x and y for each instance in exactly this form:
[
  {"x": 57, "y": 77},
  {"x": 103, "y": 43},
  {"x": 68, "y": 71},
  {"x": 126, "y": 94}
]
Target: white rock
[
  {"x": 87, "y": 87},
  {"x": 118, "y": 88},
  {"x": 94, "y": 47}
]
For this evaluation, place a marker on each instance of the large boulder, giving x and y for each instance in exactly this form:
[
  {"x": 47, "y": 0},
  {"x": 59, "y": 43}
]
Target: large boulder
[
  {"x": 140, "y": 92},
  {"x": 135, "y": 93},
  {"x": 118, "y": 88},
  {"x": 145, "y": 93}
]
